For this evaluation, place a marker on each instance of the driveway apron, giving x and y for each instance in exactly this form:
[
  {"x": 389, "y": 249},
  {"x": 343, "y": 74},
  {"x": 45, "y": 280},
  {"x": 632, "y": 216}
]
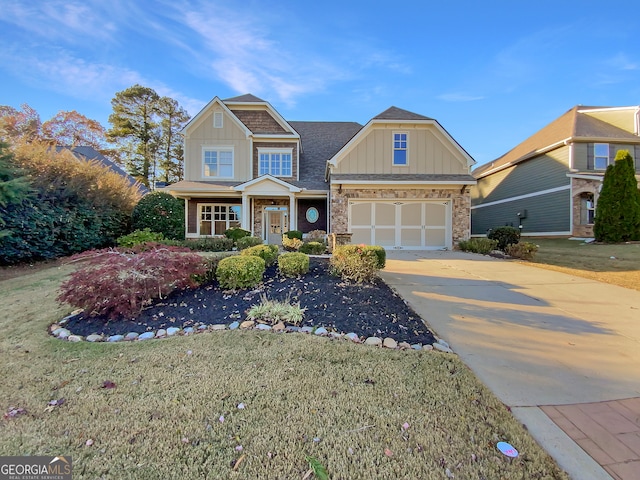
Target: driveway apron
[{"x": 536, "y": 338}]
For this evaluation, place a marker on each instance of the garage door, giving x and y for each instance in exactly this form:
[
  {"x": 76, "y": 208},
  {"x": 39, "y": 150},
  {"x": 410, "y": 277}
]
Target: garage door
[{"x": 417, "y": 225}]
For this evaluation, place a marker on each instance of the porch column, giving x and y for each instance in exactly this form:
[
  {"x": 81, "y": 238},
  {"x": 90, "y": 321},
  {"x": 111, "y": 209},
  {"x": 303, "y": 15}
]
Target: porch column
[
  {"x": 293, "y": 213},
  {"x": 246, "y": 214}
]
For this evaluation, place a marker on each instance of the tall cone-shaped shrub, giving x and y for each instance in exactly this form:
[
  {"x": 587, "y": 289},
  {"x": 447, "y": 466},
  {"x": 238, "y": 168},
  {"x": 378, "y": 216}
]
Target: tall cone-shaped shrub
[{"x": 618, "y": 209}]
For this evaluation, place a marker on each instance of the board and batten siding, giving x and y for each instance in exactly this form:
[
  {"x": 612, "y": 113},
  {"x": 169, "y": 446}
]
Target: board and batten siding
[
  {"x": 544, "y": 214},
  {"x": 204, "y": 134},
  {"x": 537, "y": 174},
  {"x": 429, "y": 151}
]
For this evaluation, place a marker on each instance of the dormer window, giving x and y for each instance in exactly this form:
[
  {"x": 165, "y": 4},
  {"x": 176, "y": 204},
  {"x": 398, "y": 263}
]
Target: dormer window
[
  {"x": 400, "y": 148},
  {"x": 217, "y": 120},
  {"x": 600, "y": 156}
]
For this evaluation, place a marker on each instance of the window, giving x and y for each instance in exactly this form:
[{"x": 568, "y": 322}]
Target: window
[
  {"x": 217, "y": 119},
  {"x": 275, "y": 162},
  {"x": 399, "y": 148},
  {"x": 601, "y": 156},
  {"x": 217, "y": 162},
  {"x": 216, "y": 219},
  {"x": 587, "y": 209}
]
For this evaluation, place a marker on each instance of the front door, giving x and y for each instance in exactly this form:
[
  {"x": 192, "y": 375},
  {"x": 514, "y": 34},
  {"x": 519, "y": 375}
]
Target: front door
[{"x": 277, "y": 222}]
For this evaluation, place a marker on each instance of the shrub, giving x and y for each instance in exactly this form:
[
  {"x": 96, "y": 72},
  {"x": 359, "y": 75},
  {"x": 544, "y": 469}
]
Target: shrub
[
  {"x": 211, "y": 266},
  {"x": 478, "y": 245},
  {"x": 293, "y": 264},
  {"x": 139, "y": 236},
  {"x": 380, "y": 253},
  {"x": 268, "y": 253},
  {"x": 236, "y": 233},
  {"x": 115, "y": 284},
  {"x": 504, "y": 236},
  {"x": 313, "y": 248},
  {"x": 246, "y": 242},
  {"x": 294, "y": 234},
  {"x": 214, "y": 244},
  {"x": 523, "y": 250},
  {"x": 273, "y": 311},
  {"x": 161, "y": 213},
  {"x": 355, "y": 263},
  {"x": 618, "y": 209},
  {"x": 316, "y": 236},
  {"x": 292, "y": 244},
  {"x": 240, "y": 271}
]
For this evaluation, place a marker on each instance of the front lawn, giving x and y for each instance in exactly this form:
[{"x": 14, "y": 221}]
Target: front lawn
[
  {"x": 245, "y": 404},
  {"x": 618, "y": 264}
]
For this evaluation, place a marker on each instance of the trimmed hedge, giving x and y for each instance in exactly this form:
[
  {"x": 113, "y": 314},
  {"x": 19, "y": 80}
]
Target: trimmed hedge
[
  {"x": 246, "y": 242},
  {"x": 268, "y": 253},
  {"x": 240, "y": 271},
  {"x": 357, "y": 263},
  {"x": 291, "y": 244},
  {"x": 294, "y": 234},
  {"x": 478, "y": 245},
  {"x": 313, "y": 248},
  {"x": 236, "y": 233},
  {"x": 293, "y": 264}
]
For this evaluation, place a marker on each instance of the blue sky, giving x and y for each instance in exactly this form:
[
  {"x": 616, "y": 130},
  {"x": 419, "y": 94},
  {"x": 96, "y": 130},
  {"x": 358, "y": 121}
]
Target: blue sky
[{"x": 492, "y": 73}]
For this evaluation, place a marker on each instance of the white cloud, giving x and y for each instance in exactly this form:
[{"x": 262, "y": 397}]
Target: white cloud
[{"x": 622, "y": 62}]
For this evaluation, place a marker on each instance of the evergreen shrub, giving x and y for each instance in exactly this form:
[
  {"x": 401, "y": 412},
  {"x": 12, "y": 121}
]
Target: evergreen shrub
[
  {"x": 504, "y": 236},
  {"x": 160, "y": 212},
  {"x": 240, "y": 271},
  {"x": 293, "y": 264}
]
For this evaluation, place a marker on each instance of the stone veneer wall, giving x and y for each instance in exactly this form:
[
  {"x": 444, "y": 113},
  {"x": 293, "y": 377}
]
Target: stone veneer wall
[
  {"x": 578, "y": 187},
  {"x": 461, "y": 208}
]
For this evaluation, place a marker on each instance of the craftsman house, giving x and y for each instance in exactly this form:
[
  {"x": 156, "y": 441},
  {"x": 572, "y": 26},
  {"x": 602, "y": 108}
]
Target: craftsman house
[
  {"x": 549, "y": 184},
  {"x": 400, "y": 181}
]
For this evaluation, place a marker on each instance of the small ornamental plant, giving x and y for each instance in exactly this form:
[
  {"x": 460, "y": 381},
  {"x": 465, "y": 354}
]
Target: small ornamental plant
[
  {"x": 291, "y": 244},
  {"x": 504, "y": 236},
  {"x": 483, "y": 246},
  {"x": 236, "y": 233},
  {"x": 268, "y": 253},
  {"x": 240, "y": 271},
  {"x": 113, "y": 283},
  {"x": 274, "y": 311},
  {"x": 313, "y": 248},
  {"x": 293, "y": 264},
  {"x": 355, "y": 263},
  {"x": 139, "y": 236},
  {"x": 246, "y": 242},
  {"x": 523, "y": 250}
]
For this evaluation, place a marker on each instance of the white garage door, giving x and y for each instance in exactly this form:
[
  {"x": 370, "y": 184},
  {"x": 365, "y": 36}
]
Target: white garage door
[{"x": 417, "y": 225}]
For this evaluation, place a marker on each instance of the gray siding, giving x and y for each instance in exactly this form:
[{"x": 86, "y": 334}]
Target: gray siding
[
  {"x": 583, "y": 155},
  {"x": 545, "y": 213},
  {"x": 540, "y": 173}
]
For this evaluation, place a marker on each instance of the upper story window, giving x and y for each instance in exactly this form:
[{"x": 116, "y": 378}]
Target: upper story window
[
  {"x": 217, "y": 162},
  {"x": 600, "y": 156},
  {"x": 275, "y": 162},
  {"x": 400, "y": 145},
  {"x": 217, "y": 120}
]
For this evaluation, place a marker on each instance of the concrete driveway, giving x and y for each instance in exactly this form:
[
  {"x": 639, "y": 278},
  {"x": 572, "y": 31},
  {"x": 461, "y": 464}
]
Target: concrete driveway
[{"x": 536, "y": 338}]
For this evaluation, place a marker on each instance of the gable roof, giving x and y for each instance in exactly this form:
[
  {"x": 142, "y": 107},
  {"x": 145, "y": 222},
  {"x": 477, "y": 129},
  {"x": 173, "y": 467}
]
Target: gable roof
[
  {"x": 573, "y": 125},
  {"x": 246, "y": 98},
  {"x": 395, "y": 113},
  {"x": 87, "y": 153},
  {"x": 205, "y": 110}
]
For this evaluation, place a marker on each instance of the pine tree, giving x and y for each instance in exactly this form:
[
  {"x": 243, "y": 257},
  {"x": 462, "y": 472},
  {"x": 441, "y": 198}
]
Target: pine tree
[{"x": 618, "y": 209}]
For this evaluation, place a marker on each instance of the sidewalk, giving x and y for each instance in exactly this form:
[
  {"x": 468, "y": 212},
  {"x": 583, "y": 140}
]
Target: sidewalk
[{"x": 538, "y": 338}]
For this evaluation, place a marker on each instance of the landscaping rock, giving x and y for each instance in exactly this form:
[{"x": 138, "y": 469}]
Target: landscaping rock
[
  {"x": 171, "y": 331},
  {"x": 188, "y": 330},
  {"x": 202, "y": 328},
  {"x": 234, "y": 325},
  {"x": 335, "y": 334},
  {"x": 131, "y": 336},
  {"x": 417, "y": 346},
  {"x": 321, "y": 331},
  {"x": 94, "y": 338},
  {"x": 61, "y": 333},
  {"x": 443, "y": 343},
  {"x": 374, "y": 341},
  {"x": 219, "y": 326},
  {"x": 427, "y": 347},
  {"x": 404, "y": 346},
  {"x": 115, "y": 338},
  {"x": 147, "y": 336},
  {"x": 279, "y": 327},
  {"x": 353, "y": 337},
  {"x": 247, "y": 324},
  {"x": 390, "y": 343},
  {"x": 161, "y": 333},
  {"x": 306, "y": 329},
  {"x": 74, "y": 338},
  {"x": 293, "y": 329},
  {"x": 442, "y": 348},
  {"x": 263, "y": 326}
]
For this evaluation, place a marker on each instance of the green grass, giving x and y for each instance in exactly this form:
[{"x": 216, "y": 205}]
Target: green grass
[
  {"x": 334, "y": 401},
  {"x": 591, "y": 260}
]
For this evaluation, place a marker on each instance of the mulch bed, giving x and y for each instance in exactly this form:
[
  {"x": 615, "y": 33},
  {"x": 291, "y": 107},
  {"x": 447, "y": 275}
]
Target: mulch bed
[{"x": 369, "y": 310}]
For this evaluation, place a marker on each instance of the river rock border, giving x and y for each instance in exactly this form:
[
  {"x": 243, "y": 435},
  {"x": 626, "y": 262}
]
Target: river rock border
[{"x": 59, "y": 331}]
